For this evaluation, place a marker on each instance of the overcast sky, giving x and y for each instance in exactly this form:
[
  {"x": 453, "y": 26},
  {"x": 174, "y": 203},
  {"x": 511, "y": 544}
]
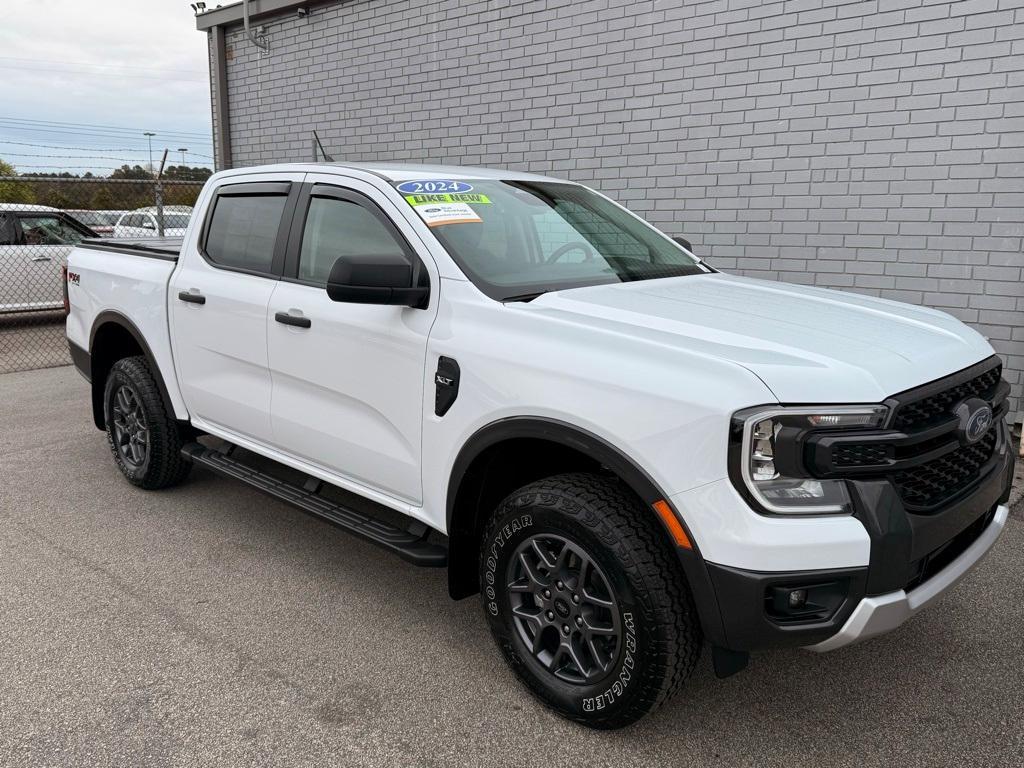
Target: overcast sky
[{"x": 128, "y": 65}]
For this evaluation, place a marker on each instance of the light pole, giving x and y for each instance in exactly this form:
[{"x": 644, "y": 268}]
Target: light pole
[
  {"x": 149, "y": 137},
  {"x": 183, "y": 150}
]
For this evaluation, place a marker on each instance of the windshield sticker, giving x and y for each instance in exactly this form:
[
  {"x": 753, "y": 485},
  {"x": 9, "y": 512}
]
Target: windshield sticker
[
  {"x": 473, "y": 199},
  {"x": 447, "y": 213},
  {"x": 430, "y": 186}
]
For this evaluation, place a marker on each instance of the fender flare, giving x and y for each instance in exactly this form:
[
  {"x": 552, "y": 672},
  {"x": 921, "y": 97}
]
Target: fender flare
[
  {"x": 111, "y": 316},
  {"x": 554, "y": 431},
  {"x": 462, "y": 543}
]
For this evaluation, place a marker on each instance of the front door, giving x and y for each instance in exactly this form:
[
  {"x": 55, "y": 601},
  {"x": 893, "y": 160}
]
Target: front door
[
  {"x": 218, "y": 307},
  {"x": 348, "y": 387}
]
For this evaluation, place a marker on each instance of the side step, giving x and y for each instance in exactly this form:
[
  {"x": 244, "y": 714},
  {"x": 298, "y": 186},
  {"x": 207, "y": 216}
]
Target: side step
[{"x": 411, "y": 546}]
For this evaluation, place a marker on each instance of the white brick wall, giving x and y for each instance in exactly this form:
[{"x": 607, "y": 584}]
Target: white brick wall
[{"x": 874, "y": 146}]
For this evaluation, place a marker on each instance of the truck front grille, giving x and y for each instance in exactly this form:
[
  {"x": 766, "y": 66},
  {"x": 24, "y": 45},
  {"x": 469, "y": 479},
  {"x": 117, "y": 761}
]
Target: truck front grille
[
  {"x": 943, "y": 478},
  {"x": 921, "y": 452},
  {"x": 915, "y": 414}
]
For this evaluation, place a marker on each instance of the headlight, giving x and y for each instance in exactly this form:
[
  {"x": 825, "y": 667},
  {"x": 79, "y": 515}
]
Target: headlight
[{"x": 770, "y": 456}]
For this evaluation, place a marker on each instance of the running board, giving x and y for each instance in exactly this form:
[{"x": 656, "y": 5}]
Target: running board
[{"x": 411, "y": 546}]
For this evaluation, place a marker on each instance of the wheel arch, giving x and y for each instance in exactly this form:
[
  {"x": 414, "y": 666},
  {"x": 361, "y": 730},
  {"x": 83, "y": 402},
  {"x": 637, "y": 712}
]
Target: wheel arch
[
  {"x": 114, "y": 337},
  {"x": 478, "y": 481}
]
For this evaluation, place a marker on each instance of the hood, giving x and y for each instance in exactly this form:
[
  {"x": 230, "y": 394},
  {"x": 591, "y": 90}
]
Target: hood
[{"x": 808, "y": 345}]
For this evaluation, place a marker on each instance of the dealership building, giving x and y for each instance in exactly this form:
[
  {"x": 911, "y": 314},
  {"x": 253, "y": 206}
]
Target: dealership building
[{"x": 872, "y": 146}]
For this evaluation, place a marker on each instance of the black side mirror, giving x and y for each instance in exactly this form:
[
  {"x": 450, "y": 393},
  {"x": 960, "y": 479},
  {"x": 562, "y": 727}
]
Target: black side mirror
[
  {"x": 375, "y": 280},
  {"x": 684, "y": 242}
]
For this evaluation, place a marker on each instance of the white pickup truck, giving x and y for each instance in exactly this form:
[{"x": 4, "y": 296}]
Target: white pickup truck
[{"x": 623, "y": 450}]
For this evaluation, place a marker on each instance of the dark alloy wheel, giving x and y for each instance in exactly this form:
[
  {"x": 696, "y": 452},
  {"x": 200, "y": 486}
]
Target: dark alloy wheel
[
  {"x": 131, "y": 435},
  {"x": 564, "y": 609},
  {"x": 144, "y": 438},
  {"x": 587, "y": 600}
]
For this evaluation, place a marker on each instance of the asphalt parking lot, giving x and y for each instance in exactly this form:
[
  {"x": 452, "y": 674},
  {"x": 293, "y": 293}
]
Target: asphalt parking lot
[
  {"x": 209, "y": 625},
  {"x": 30, "y": 340}
]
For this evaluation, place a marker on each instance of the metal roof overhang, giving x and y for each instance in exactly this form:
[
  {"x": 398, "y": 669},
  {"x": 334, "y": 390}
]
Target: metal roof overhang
[{"x": 230, "y": 15}]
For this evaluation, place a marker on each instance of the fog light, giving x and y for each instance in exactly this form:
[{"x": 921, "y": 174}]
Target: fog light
[{"x": 798, "y": 598}]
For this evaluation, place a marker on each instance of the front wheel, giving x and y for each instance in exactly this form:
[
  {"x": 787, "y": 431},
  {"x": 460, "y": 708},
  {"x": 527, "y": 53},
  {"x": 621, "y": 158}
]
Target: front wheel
[
  {"x": 586, "y": 600},
  {"x": 145, "y": 440}
]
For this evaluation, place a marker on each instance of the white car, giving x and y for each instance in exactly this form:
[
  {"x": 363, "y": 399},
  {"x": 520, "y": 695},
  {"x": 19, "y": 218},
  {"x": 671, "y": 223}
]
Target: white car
[
  {"x": 143, "y": 222},
  {"x": 100, "y": 222},
  {"x": 34, "y": 243},
  {"x": 623, "y": 450}
]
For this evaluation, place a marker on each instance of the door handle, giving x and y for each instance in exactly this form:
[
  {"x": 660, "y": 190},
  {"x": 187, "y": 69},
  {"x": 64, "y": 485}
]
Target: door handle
[
  {"x": 297, "y": 320},
  {"x": 192, "y": 298},
  {"x": 42, "y": 258}
]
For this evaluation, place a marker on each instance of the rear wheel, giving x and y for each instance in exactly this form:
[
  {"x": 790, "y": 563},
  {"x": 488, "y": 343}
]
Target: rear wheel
[
  {"x": 145, "y": 440},
  {"x": 586, "y": 600}
]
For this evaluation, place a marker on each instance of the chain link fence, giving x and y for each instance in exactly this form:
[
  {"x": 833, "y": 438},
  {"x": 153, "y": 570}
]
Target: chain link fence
[{"x": 41, "y": 219}]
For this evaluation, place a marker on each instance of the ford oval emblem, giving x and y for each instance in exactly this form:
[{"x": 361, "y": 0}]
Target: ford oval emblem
[
  {"x": 433, "y": 187},
  {"x": 975, "y": 417}
]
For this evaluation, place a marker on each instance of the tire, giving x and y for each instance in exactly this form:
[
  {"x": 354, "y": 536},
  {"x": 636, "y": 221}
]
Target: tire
[
  {"x": 634, "y": 603},
  {"x": 144, "y": 438}
]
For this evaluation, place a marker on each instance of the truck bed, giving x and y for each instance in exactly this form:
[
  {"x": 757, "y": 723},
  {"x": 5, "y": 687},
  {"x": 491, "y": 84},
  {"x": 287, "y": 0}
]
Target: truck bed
[{"x": 166, "y": 248}]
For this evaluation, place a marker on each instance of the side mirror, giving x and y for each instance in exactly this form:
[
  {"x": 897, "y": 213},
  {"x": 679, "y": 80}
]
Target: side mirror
[
  {"x": 375, "y": 280},
  {"x": 685, "y": 243},
  {"x": 148, "y": 225}
]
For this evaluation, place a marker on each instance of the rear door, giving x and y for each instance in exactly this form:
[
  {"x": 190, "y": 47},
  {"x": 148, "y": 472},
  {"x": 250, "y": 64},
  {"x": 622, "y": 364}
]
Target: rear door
[
  {"x": 348, "y": 387},
  {"x": 33, "y": 248},
  {"x": 218, "y": 304}
]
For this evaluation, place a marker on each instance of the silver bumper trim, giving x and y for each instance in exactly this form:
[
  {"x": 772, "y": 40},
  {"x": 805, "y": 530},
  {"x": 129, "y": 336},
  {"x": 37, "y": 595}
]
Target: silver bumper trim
[{"x": 882, "y": 613}]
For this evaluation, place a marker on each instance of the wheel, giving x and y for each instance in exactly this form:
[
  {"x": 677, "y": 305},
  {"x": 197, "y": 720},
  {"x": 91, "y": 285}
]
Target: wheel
[
  {"x": 145, "y": 440},
  {"x": 587, "y": 601}
]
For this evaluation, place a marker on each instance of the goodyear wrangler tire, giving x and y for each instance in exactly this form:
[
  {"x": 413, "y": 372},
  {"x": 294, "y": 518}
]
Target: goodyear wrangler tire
[
  {"x": 587, "y": 601},
  {"x": 145, "y": 440}
]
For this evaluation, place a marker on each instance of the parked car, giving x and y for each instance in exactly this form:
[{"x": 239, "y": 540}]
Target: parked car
[
  {"x": 143, "y": 222},
  {"x": 100, "y": 222},
  {"x": 34, "y": 243},
  {"x": 622, "y": 449}
]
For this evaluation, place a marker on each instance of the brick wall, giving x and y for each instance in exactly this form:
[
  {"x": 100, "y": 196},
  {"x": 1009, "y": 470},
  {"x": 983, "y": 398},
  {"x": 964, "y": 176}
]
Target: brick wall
[{"x": 871, "y": 146}]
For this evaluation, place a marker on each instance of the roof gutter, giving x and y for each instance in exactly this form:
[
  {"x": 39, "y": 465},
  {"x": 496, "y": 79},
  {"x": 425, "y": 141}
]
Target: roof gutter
[{"x": 229, "y": 15}]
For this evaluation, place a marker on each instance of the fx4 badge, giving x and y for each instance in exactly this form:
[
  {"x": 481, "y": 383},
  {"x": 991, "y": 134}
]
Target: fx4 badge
[{"x": 74, "y": 277}]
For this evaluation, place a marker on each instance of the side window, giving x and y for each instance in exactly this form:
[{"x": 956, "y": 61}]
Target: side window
[
  {"x": 8, "y": 229},
  {"x": 243, "y": 231},
  {"x": 612, "y": 240},
  {"x": 341, "y": 228},
  {"x": 554, "y": 232},
  {"x": 48, "y": 230}
]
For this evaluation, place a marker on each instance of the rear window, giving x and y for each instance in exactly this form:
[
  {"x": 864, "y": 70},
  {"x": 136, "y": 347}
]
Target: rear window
[{"x": 243, "y": 231}]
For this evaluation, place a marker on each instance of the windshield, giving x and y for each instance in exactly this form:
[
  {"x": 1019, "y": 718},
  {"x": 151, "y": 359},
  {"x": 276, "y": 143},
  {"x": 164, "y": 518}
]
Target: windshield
[{"x": 516, "y": 239}]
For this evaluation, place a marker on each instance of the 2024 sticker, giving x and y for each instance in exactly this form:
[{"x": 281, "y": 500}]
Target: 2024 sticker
[{"x": 433, "y": 186}]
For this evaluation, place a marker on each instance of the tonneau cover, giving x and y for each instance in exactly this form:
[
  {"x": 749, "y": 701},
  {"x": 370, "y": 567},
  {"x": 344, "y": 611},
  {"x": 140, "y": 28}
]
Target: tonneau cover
[{"x": 152, "y": 247}]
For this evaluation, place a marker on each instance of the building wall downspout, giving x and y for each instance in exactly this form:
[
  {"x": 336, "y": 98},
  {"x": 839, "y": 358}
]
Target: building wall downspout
[{"x": 219, "y": 72}]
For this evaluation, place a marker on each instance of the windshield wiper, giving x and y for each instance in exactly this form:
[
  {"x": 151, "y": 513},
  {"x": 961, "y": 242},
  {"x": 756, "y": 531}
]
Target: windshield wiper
[{"x": 524, "y": 297}]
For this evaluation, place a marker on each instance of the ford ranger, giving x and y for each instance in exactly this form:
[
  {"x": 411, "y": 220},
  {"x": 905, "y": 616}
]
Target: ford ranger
[{"x": 627, "y": 453}]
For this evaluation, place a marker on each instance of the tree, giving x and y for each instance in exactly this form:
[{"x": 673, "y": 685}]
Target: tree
[
  {"x": 14, "y": 191},
  {"x": 133, "y": 172},
  {"x": 185, "y": 173},
  {"x": 103, "y": 200}
]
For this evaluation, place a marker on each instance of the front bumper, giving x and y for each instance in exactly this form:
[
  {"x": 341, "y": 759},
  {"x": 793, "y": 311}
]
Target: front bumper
[
  {"x": 882, "y": 613},
  {"x": 910, "y": 560}
]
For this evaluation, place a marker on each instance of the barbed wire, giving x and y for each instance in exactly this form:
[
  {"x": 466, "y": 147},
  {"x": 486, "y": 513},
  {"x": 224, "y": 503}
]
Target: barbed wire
[
  {"x": 80, "y": 157},
  {"x": 119, "y": 128},
  {"x": 101, "y": 180},
  {"x": 90, "y": 149}
]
